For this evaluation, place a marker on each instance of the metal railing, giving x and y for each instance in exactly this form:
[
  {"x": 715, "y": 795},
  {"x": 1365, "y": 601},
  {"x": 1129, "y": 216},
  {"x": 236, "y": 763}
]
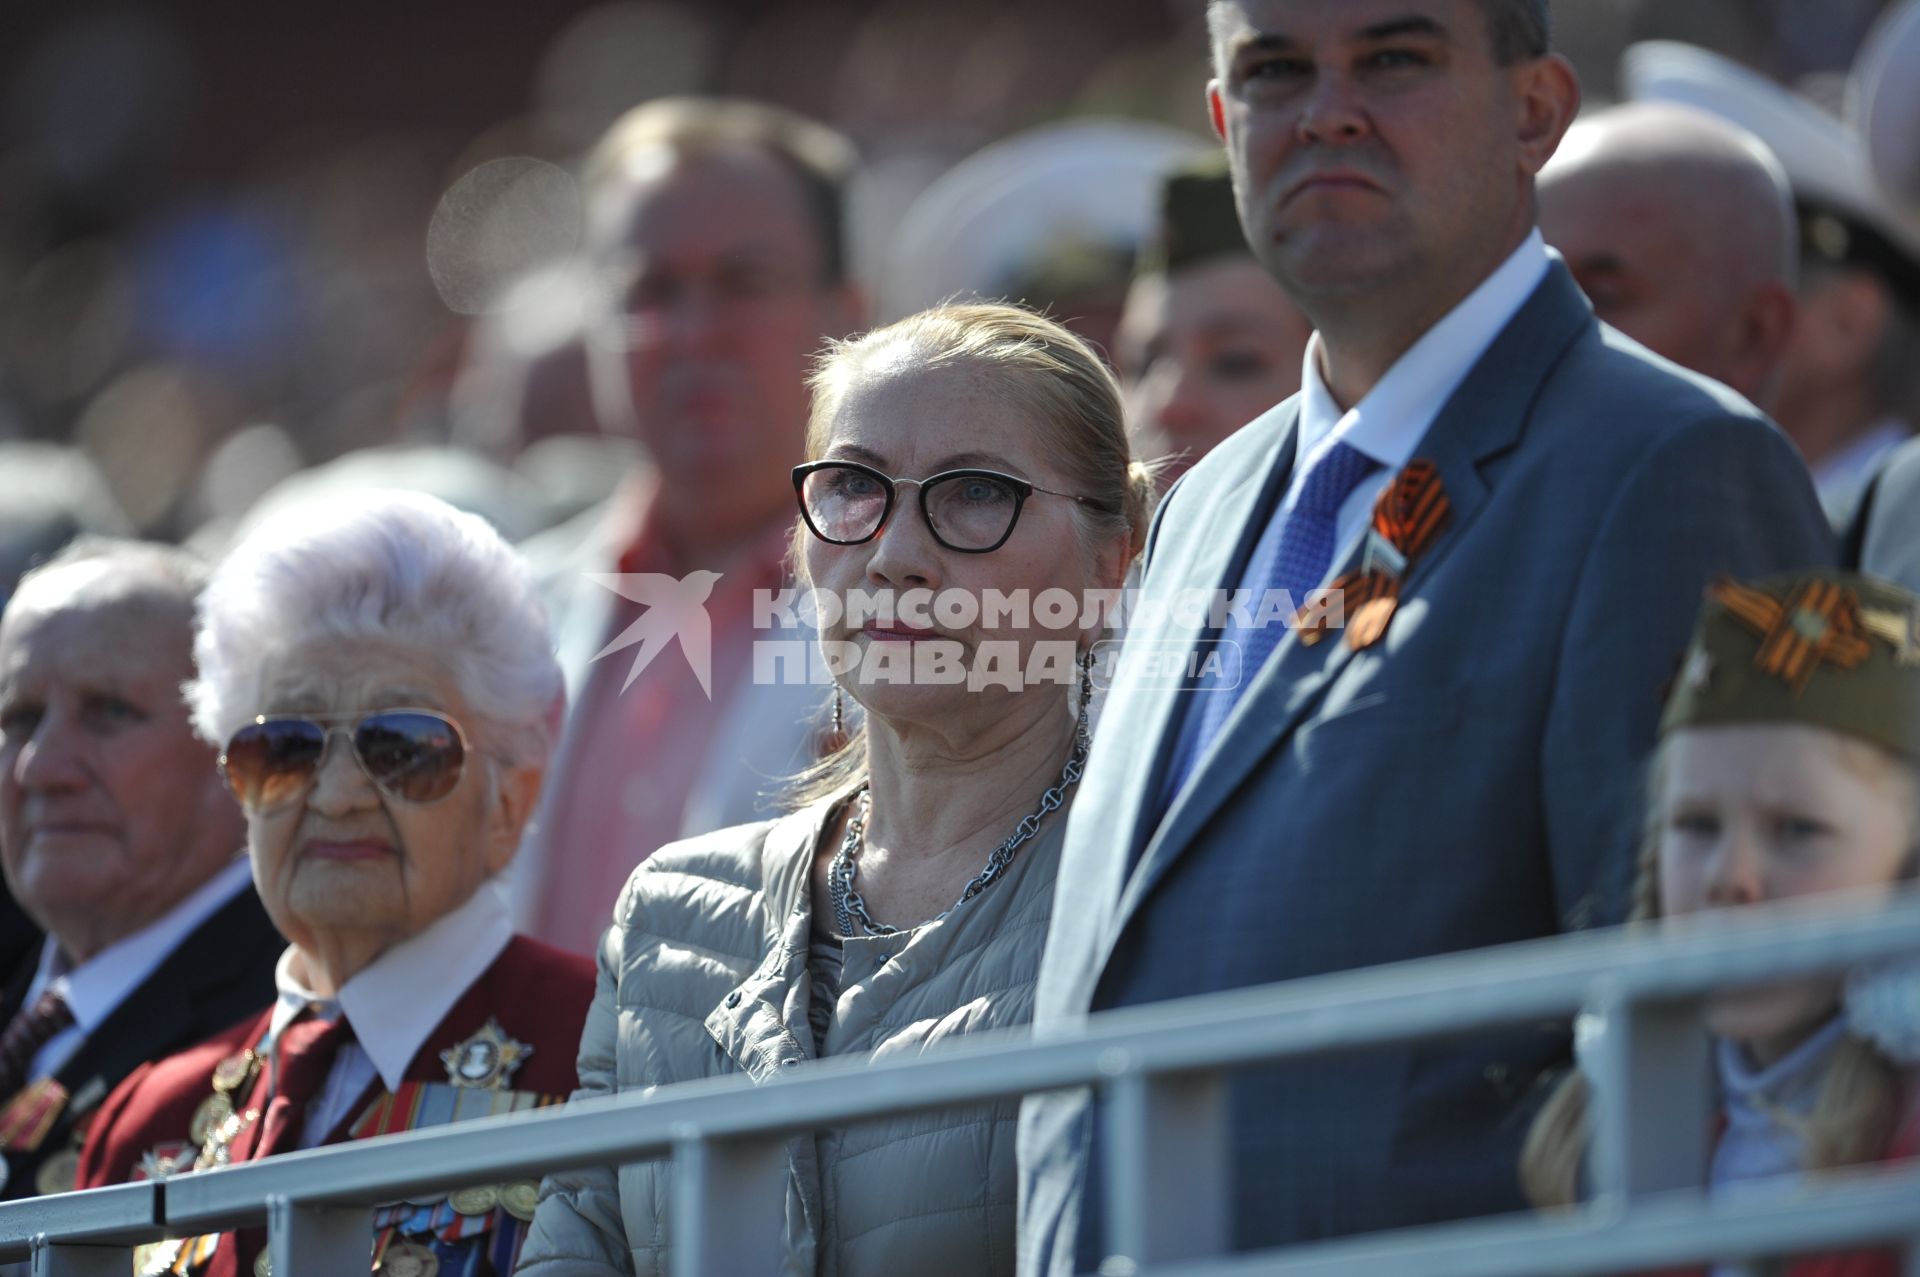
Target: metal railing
[{"x": 1167, "y": 1126}]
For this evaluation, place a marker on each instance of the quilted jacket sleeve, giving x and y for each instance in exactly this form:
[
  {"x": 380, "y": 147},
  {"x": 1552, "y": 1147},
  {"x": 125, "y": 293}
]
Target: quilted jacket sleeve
[{"x": 577, "y": 1231}]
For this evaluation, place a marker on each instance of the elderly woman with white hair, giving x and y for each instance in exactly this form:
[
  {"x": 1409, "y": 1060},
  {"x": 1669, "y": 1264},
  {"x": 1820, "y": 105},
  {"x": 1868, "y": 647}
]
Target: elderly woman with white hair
[{"x": 383, "y": 687}]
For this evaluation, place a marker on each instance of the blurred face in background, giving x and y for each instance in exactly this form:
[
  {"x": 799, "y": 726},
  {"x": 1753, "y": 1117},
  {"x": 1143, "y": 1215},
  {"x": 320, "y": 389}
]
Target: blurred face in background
[
  {"x": 1203, "y": 350},
  {"x": 111, "y": 810},
  {"x": 1680, "y": 233},
  {"x": 716, "y": 282}
]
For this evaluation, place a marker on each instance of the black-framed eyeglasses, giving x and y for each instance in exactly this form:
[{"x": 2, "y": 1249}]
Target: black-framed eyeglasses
[{"x": 968, "y": 511}]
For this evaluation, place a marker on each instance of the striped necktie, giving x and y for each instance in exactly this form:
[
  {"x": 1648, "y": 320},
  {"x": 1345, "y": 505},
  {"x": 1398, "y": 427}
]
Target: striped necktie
[{"x": 32, "y": 1029}]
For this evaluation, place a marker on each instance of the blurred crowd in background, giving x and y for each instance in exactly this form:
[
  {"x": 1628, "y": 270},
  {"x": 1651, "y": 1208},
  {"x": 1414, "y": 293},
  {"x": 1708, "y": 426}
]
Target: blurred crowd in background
[{"x": 240, "y": 246}]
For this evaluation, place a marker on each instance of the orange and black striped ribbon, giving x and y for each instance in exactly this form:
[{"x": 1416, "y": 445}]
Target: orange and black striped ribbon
[
  {"x": 1413, "y": 509},
  {"x": 1410, "y": 515},
  {"x": 1818, "y": 623}
]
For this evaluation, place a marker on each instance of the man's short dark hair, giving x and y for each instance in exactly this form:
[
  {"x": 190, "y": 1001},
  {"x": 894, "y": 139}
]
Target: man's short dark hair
[
  {"x": 820, "y": 159},
  {"x": 1519, "y": 29},
  {"x": 1516, "y": 29}
]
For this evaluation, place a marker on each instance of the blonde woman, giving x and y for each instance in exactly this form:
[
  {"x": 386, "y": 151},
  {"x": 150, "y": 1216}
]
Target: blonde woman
[
  {"x": 964, "y": 450},
  {"x": 1787, "y": 768}
]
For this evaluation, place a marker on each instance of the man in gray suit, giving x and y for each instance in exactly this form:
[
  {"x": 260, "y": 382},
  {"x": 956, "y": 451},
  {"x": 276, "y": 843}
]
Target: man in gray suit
[{"x": 1463, "y": 770}]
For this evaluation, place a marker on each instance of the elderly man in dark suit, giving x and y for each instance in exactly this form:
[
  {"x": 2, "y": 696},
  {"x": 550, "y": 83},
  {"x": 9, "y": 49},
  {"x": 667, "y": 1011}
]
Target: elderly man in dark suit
[
  {"x": 1521, "y": 508},
  {"x": 120, "y": 839}
]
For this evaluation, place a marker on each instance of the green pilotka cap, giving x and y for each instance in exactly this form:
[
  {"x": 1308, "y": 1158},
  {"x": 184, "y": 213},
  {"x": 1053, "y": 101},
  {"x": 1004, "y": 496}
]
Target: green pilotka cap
[
  {"x": 1198, "y": 219},
  {"x": 1828, "y": 649}
]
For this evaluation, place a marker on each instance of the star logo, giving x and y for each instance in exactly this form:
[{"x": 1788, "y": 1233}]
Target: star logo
[{"x": 675, "y": 609}]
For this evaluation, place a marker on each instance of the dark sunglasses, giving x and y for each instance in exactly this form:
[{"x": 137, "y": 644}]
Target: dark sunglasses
[
  {"x": 969, "y": 511},
  {"x": 415, "y": 755}
]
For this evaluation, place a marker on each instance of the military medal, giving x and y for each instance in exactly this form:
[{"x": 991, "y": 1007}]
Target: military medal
[
  {"x": 1381, "y": 555},
  {"x": 59, "y": 1173},
  {"x": 263, "y": 1266},
  {"x": 521, "y": 1198},
  {"x": 164, "y": 1159},
  {"x": 408, "y": 1259},
  {"x": 474, "y": 1201},
  {"x": 30, "y": 1115},
  {"x": 213, "y": 1112},
  {"x": 1407, "y": 518},
  {"x": 233, "y": 1072},
  {"x": 218, "y": 1148},
  {"x": 486, "y": 1061},
  {"x": 156, "y": 1258},
  {"x": 216, "y": 1122}
]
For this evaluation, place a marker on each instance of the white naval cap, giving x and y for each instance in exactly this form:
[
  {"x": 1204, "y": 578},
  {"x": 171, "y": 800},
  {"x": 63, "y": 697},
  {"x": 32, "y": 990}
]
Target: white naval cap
[
  {"x": 991, "y": 216},
  {"x": 1844, "y": 214},
  {"x": 1886, "y": 102}
]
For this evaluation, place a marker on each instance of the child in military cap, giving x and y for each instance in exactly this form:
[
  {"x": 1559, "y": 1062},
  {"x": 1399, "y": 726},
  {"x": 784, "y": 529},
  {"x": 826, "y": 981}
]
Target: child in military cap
[
  {"x": 1789, "y": 765},
  {"x": 1207, "y": 341}
]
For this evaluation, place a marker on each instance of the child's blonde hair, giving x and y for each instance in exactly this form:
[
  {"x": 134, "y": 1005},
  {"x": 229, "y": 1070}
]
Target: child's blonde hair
[{"x": 1859, "y": 1099}]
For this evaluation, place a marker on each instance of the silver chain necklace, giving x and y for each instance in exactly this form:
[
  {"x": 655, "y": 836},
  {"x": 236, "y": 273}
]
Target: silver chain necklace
[{"x": 849, "y": 907}]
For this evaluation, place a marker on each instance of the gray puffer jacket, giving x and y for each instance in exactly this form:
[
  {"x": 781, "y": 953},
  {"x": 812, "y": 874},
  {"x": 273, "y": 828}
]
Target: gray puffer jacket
[{"x": 731, "y": 912}]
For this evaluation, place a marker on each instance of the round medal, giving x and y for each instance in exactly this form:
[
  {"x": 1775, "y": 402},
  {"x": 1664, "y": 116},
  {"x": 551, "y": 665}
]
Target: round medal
[
  {"x": 213, "y": 1111},
  {"x": 231, "y": 1072},
  {"x": 475, "y": 1201},
  {"x": 409, "y": 1259},
  {"x": 59, "y": 1173},
  {"x": 155, "y": 1258},
  {"x": 521, "y": 1198},
  {"x": 263, "y": 1266}
]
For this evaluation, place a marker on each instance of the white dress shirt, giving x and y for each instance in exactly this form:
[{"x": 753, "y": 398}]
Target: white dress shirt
[
  {"x": 394, "y": 1003},
  {"x": 97, "y": 987},
  {"x": 1389, "y": 423},
  {"x": 1842, "y": 479}
]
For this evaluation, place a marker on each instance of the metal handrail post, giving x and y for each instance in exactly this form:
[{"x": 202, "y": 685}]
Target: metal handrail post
[
  {"x": 311, "y": 1237},
  {"x": 1652, "y": 1100},
  {"x": 729, "y": 1205},
  {"x": 1168, "y": 1167}
]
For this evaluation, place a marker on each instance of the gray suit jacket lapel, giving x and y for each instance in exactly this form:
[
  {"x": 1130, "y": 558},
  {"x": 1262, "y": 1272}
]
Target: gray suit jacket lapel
[
  {"x": 1126, "y": 773},
  {"x": 1483, "y": 419},
  {"x": 1224, "y": 543}
]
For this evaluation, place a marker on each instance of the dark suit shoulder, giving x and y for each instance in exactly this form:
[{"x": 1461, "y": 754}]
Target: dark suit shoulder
[
  {"x": 221, "y": 972},
  {"x": 1640, "y": 396}
]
